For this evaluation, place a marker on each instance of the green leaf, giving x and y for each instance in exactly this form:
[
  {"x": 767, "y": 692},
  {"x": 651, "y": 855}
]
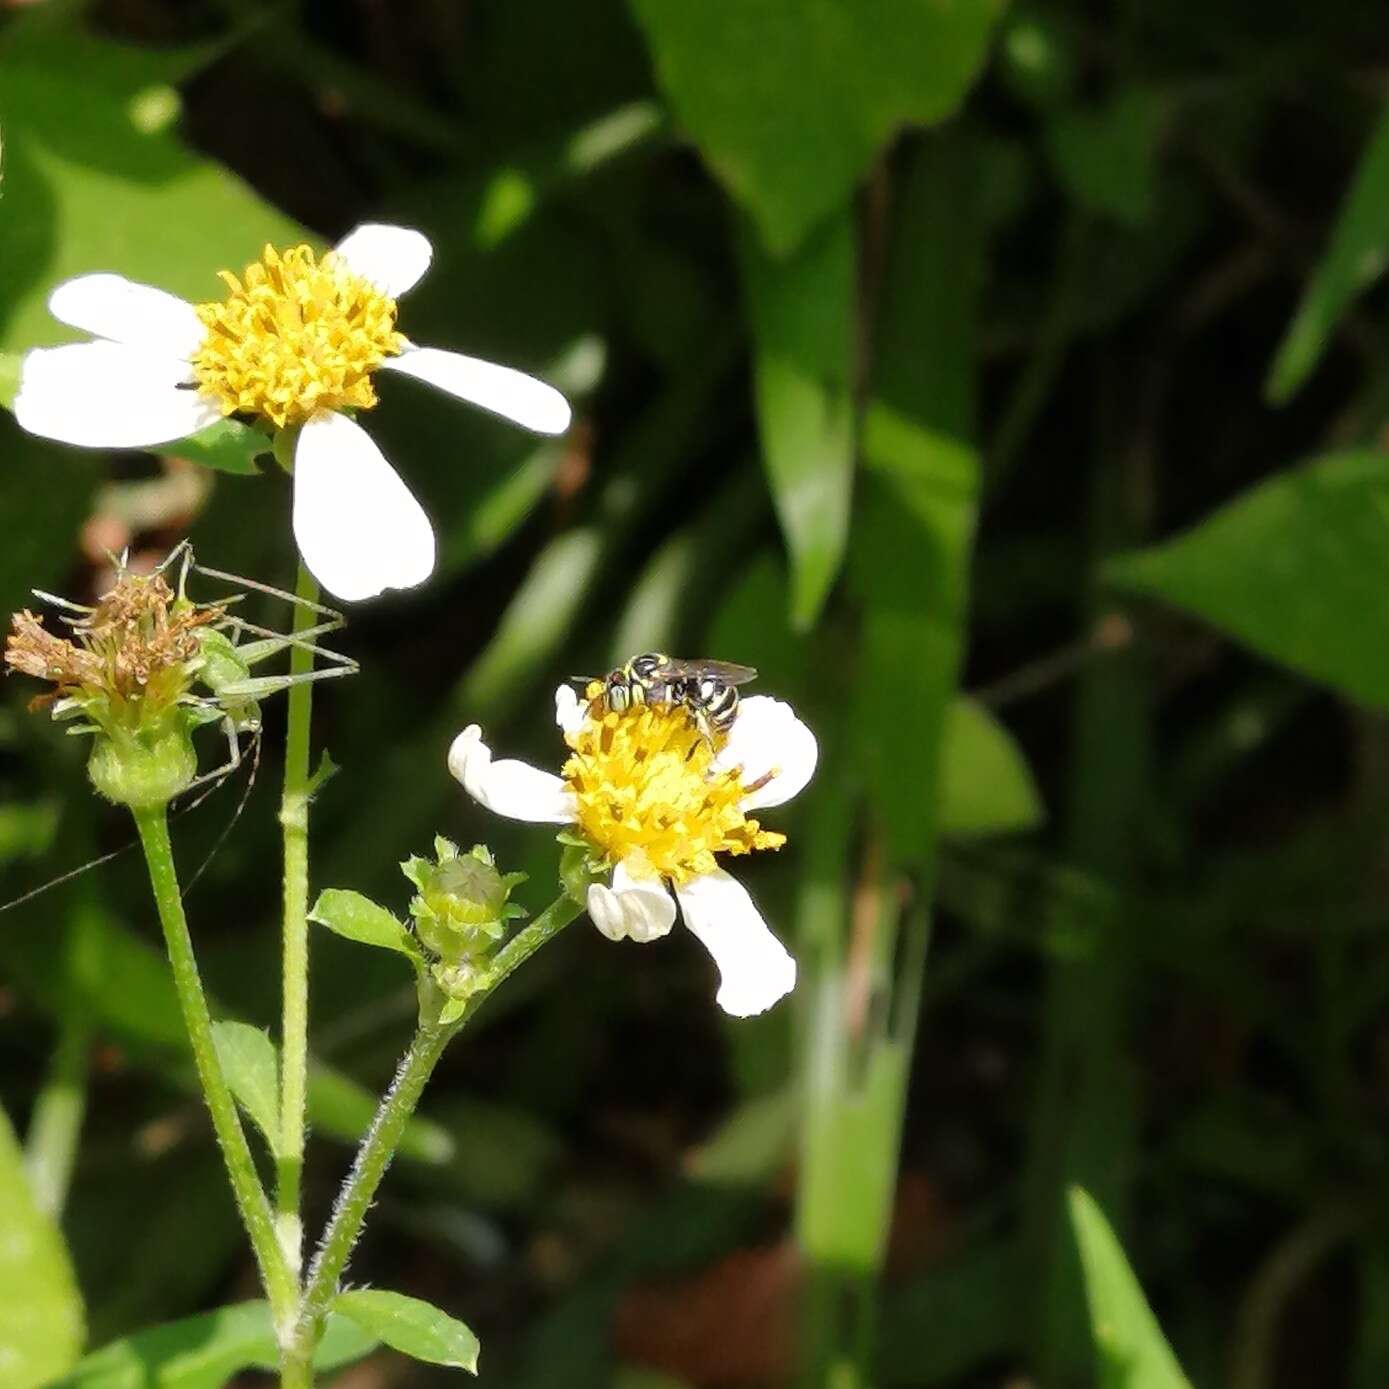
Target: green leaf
[
  {"x": 415, "y": 1328},
  {"x": 252, "y": 1069},
  {"x": 79, "y": 144},
  {"x": 1297, "y": 568},
  {"x": 803, "y": 317},
  {"x": 41, "y": 1317},
  {"x": 753, "y": 1143},
  {"x": 915, "y": 515},
  {"x": 205, "y": 1351},
  {"x": 789, "y": 102},
  {"x": 986, "y": 785},
  {"x": 358, "y": 918},
  {"x": 1130, "y": 1350},
  {"x": 1106, "y": 156},
  {"x": 227, "y": 446},
  {"x": 1355, "y": 259}
]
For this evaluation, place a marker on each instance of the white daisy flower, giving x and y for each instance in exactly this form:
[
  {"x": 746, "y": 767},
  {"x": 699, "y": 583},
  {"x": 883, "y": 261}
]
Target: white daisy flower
[
  {"x": 296, "y": 342},
  {"x": 647, "y": 791}
]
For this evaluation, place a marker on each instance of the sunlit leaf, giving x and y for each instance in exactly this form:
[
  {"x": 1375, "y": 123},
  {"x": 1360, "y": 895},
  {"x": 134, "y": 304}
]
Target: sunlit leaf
[
  {"x": 789, "y": 102},
  {"x": 1355, "y": 259},
  {"x": 803, "y": 324},
  {"x": 41, "y": 1319},
  {"x": 418, "y": 1329},
  {"x": 1297, "y": 568},
  {"x": 1130, "y": 1350},
  {"x": 205, "y": 1351},
  {"x": 251, "y": 1067},
  {"x": 92, "y": 184}
]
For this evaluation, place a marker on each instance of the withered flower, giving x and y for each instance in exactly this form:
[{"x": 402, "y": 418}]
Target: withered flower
[{"x": 126, "y": 673}]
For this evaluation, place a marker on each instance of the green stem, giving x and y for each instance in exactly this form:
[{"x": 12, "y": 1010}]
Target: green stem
[
  {"x": 378, "y": 1147},
  {"x": 294, "y": 821},
  {"x": 279, "y": 1282}
]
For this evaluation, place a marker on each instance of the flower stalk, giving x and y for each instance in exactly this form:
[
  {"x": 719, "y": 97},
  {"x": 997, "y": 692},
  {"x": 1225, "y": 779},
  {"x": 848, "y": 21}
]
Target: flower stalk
[
  {"x": 294, "y": 822},
  {"x": 383, "y": 1137},
  {"x": 279, "y": 1281}
]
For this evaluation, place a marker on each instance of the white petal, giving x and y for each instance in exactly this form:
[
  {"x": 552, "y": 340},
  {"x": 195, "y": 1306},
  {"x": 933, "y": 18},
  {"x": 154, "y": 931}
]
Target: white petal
[
  {"x": 394, "y": 259},
  {"x": 768, "y": 740},
  {"x": 103, "y": 395},
  {"x": 570, "y": 710},
  {"x": 120, "y": 310},
  {"x": 632, "y": 909},
  {"x": 511, "y": 788},
  {"x": 754, "y": 967},
  {"x": 502, "y": 390},
  {"x": 359, "y": 527}
]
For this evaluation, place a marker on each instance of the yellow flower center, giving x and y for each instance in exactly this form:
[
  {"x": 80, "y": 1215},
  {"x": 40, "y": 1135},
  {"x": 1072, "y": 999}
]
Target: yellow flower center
[
  {"x": 295, "y": 335},
  {"x": 648, "y": 794}
]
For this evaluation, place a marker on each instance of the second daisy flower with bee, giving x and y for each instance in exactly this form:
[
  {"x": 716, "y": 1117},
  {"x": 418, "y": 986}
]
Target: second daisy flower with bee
[{"x": 655, "y": 800}]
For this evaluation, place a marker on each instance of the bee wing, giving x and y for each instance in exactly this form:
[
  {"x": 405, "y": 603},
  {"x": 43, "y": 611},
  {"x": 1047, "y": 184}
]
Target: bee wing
[{"x": 727, "y": 671}]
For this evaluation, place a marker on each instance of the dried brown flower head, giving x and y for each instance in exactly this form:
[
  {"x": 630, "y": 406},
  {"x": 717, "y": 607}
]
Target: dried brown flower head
[{"x": 130, "y": 653}]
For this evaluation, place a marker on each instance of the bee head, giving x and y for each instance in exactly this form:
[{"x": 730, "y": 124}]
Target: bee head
[{"x": 645, "y": 666}]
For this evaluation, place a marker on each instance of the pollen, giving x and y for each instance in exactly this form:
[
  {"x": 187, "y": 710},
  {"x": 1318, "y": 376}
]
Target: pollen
[
  {"x": 648, "y": 793},
  {"x": 295, "y": 335}
]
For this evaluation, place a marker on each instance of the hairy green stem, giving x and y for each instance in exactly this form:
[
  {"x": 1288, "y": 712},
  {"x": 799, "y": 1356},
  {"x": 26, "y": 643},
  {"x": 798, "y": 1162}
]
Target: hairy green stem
[
  {"x": 294, "y": 821},
  {"x": 383, "y": 1137},
  {"x": 280, "y": 1284}
]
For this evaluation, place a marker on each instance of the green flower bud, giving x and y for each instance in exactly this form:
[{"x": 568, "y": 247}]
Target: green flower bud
[{"x": 461, "y": 908}]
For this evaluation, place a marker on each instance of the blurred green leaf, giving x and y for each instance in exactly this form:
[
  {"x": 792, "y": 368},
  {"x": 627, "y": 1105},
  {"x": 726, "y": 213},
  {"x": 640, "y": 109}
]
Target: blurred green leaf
[
  {"x": 78, "y": 146},
  {"x": 415, "y": 1328},
  {"x": 752, "y": 1144},
  {"x": 9, "y": 377},
  {"x": 343, "y": 1109},
  {"x": 1355, "y": 259},
  {"x": 937, "y": 1327},
  {"x": 790, "y": 102},
  {"x": 1297, "y": 568},
  {"x": 914, "y": 526},
  {"x": 1106, "y": 156},
  {"x": 503, "y": 1154},
  {"x": 41, "y": 1318},
  {"x": 354, "y": 917},
  {"x": 128, "y": 989},
  {"x": 1130, "y": 1350},
  {"x": 205, "y": 1351},
  {"x": 986, "y": 785},
  {"x": 252, "y": 1069},
  {"x": 803, "y": 325}
]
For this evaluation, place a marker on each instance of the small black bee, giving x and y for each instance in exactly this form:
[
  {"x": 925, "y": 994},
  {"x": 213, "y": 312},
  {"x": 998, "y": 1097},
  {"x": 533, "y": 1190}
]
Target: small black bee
[{"x": 706, "y": 690}]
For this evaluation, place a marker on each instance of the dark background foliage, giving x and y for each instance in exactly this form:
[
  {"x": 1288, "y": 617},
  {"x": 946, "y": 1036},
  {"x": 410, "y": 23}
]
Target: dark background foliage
[{"x": 1033, "y": 354}]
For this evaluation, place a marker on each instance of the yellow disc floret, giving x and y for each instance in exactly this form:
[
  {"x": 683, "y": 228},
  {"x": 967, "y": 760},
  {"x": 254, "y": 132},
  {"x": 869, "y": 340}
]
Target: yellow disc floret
[
  {"x": 295, "y": 335},
  {"x": 648, "y": 793}
]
